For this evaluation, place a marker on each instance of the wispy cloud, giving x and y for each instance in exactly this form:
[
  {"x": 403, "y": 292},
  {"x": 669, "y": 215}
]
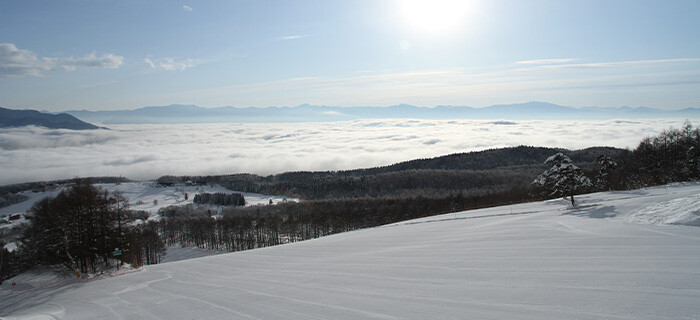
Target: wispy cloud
[
  {"x": 109, "y": 61},
  {"x": 16, "y": 62},
  {"x": 625, "y": 63},
  {"x": 172, "y": 64},
  {"x": 546, "y": 61},
  {"x": 186, "y": 8},
  {"x": 291, "y": 37},
  {"x": 649, "y": 82}
]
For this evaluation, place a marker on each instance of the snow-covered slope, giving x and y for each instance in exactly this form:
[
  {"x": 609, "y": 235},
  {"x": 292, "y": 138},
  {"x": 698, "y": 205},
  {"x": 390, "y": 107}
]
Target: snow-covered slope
[{"x": 529, "y": 261}]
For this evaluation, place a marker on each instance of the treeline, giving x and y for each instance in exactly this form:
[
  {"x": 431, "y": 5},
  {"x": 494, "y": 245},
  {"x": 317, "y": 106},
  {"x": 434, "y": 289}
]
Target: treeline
[
  {"x": 672, "y": 155},
  {"x": 220, "y": 199},
  {"x": 497, "y": 169},
  {"x": 52, "y": 185},
  {"x": 85, "y": 229},
  {"x": 9, "y": 194},
  {"x": 243, "y": 228}
]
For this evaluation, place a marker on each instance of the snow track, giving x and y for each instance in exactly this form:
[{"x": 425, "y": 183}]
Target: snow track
[{"x": 526, "y": 261}]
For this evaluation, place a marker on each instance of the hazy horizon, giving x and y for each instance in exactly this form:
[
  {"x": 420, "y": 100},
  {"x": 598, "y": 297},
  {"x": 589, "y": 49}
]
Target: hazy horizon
[{"x": 133, "y": 108}]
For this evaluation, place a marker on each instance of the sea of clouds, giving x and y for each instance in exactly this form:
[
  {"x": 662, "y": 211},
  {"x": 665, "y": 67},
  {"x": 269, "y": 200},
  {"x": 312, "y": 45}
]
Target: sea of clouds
[{"x": 150, "y": 151}]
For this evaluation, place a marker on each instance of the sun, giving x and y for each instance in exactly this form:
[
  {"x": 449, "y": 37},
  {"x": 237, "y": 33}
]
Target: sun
[{"x": 435, "y": 17}]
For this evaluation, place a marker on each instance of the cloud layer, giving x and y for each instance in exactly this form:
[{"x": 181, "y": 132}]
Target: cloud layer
[
  {"x": 145, "y": 152},
  {"x": 16, "y": 62}
]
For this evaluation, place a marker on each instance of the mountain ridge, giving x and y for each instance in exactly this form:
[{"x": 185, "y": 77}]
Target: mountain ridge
[
  {"x": 19, "y": 118},
  {"x": 179, "y": 113}
]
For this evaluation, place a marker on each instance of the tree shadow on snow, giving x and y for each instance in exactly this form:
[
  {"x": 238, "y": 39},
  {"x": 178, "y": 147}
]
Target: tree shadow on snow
[
  {"x": 469, "y": 217},
  {"x": 592, "y": 211},
  {"x": 30, "y": 299}
]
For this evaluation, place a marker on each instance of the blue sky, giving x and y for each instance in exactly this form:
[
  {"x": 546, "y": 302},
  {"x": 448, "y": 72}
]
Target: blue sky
[{"x": 103, "y": 55}]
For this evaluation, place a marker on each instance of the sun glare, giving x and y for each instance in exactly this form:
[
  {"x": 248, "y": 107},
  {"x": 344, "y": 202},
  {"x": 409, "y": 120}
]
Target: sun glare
[{"x": 435, "y": 17}]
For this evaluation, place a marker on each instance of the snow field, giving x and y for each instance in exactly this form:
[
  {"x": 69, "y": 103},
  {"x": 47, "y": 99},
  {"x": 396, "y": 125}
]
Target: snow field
[
  {"x": 24, "y": 206},
  {"x": 529, "y": 261}
]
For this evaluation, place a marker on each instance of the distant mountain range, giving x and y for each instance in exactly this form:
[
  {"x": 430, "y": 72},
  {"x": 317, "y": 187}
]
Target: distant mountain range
[
  {"x": 310, "y": 113},
  {"x": 20, "y": 118}
]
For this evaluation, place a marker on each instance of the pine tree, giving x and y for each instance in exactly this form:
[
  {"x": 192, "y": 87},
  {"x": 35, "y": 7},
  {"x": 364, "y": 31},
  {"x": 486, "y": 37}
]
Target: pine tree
[
  {"x": 563, "y": 178},
  {"x": 606, "y": 166}
]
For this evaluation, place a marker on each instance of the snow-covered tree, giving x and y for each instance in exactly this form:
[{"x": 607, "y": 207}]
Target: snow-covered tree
[
  {"x": 606, "y": 166},
  {"x": 563, "y": 178}
]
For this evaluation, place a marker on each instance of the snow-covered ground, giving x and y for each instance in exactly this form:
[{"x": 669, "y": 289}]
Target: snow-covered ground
[
  {"x": 143, "y": 195},
  {"x": 148, "y": 196},
  {"x": 613, "y": 257},
  {"x": 151, "y": 197},
  {"x": 24, "y": 206},
  {"x": 177, "y": 253}
]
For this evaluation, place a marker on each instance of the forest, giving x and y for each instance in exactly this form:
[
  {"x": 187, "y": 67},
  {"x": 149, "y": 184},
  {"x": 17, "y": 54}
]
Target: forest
[
  {"x": 483, "y": 171},
  {"x": 84, "y": 229},
  {"x": 80, "y": 227},
  {"x": 220, "y": 199}
]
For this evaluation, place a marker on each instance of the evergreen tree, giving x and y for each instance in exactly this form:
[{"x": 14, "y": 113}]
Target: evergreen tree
[
  {"x": 563, "y": 178},
  {"x": 605, "y": 167}
]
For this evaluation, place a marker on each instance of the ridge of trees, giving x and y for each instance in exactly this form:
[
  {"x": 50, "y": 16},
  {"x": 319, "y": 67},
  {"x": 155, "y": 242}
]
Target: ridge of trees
[
  {"x": 503, "y": 168},
  {"x": 243, "y": 228},
  {"x": 672, "y": 155},
  {"x": 50, "y": 185}
]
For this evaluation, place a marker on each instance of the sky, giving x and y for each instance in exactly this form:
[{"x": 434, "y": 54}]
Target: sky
[{"x": 107, "y": 55}]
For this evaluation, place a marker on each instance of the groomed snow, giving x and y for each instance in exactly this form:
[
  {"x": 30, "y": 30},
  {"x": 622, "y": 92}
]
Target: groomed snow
[
  {"x": 177, "y": 253},
  {"x": 529, "y": 261}
]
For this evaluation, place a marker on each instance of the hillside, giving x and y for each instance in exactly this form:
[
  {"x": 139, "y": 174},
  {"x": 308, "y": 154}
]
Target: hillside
[
  {"x": 613, "y": 257},
  {"x": 20, "y": 118},
  {"x": 472, "y": 172}
]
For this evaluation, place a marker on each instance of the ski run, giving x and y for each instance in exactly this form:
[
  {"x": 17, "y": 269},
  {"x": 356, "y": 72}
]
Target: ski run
[{"x": 617, "y": 255}]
